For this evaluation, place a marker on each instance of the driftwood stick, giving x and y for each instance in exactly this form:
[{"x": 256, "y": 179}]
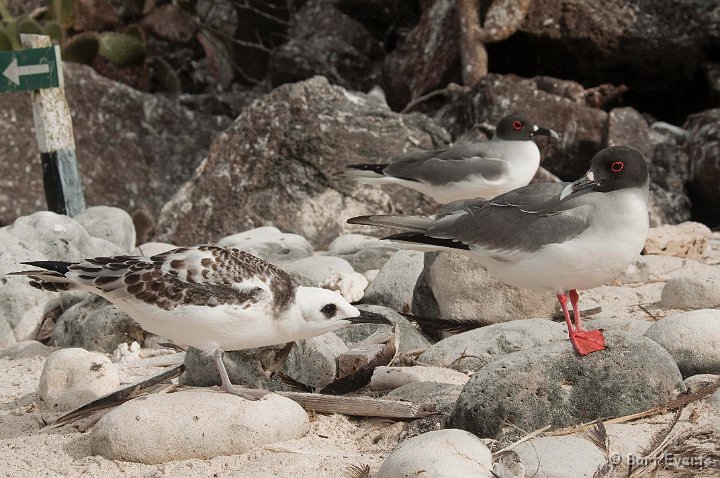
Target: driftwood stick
[{"x": 358, "y": 406}]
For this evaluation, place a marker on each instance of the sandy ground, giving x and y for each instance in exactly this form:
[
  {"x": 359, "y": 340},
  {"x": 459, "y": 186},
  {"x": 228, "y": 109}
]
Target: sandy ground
[{"x": 332, "y": 446}]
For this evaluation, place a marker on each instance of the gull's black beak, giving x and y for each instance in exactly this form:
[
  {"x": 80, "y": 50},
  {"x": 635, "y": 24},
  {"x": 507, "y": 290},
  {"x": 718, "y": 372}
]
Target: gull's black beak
[
  {"x": 586, "y": 182},
  {"x": 366, "y": 317},
  {"x": 537, "y": 131}
]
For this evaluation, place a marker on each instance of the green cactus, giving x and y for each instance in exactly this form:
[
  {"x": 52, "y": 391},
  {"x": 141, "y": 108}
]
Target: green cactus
[
  {"x": 55, "y": 31},
  {"x": 121, "y": 49},
  {"x": 164, "y": 75},
  {"x": 63, "y": 11},
  {"x": 29, "y": 25},
  {"x": 82, "y": 48},
  {"x": 5, "y": 43}
]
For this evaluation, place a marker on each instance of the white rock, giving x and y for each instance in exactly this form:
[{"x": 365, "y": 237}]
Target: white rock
[
  {"x": 691, "y": 292},
  {"x": 560, "y": 457},
  {"x": 126, "y": 353},
  {"x": 319, "y": 268},
  {"x": 351, "y": 285},
  {"x": 446, "y": 453},
  {"x": 25, "y": 349},
  {"x": 395, "y": 283},
  {"x": 351, "y": 243},
  {"x": 372, "y": 274},
  {"x": 388, "y": 378},
  {"x": 269, "y": 243},
  {"x": 313, "y": 361},
  {"x": 688, "y": 239},
  {"x": 73, "y": 377},
  {"x": 692, "y": 338},
  {"x": 199, "y": 424},
  {"x": 109, "y": 223},
  {"x": 150, "y": 249}
]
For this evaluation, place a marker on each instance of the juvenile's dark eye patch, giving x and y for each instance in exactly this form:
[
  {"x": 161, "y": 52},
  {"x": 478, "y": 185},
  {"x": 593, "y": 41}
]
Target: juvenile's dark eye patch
[{"x": 329, "y": 310}]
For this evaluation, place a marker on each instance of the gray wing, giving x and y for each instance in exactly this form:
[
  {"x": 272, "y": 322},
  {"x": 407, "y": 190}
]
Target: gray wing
[
  {"x": 524, "y": 219},
  {"x": 450, "y": 165}
]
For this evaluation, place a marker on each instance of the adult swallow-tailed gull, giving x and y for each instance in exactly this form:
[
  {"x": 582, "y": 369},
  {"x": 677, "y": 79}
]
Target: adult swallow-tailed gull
[
  {"x": 467, "y": 170},
  {"x": 213, "y": 298},
  {"x": 556, "y": 236}
]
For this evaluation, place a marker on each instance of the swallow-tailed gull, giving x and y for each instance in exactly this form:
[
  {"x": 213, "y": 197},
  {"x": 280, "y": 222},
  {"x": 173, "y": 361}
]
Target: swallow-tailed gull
[
  {"x": 554, "y": 236},
  {"x": 213, "y": 298},
  {"x": 467, "y": 170}
]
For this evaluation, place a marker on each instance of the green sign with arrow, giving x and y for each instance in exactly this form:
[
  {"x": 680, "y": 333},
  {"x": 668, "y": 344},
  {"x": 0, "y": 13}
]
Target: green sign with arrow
[{"x": 32, "y": 69}]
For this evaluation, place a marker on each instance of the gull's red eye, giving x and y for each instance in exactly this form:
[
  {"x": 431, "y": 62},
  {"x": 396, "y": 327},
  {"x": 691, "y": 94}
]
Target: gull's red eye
[
  {"x": 517, "y": 124},
  {"x": 617, "y": 166}
]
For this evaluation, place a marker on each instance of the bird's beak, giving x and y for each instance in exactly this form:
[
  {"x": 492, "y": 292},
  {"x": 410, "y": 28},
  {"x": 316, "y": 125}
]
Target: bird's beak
[
  {"x": 586, "y": 182},
  {"x": 366, "y": 317},
  {"x": 538, "y": 131}
]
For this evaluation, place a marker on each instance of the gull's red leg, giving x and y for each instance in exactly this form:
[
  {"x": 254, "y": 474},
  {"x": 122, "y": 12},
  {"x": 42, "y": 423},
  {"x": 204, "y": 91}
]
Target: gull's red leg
[{"x": 584, "y": 341}]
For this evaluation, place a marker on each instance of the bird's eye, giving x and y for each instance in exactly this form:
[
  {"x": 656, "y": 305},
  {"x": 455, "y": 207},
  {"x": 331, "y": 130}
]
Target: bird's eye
[
  {"x": 329, "y": 310},
  {"x": 517, "y": 125},
  {"x": 617, "y": 166}
]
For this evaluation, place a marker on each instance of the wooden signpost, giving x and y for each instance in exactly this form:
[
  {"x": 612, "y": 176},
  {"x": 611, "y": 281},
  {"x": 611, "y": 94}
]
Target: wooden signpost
[{"x": 38, "y": 68}]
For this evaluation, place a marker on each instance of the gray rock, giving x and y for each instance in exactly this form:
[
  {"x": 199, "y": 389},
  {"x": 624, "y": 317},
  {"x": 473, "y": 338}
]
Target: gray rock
[
  {"x": 195, "y": 424},
  {"x": 318, "y": 268},
  {"x": 346, "y": 244},
  {"x": 442, "y": 454},
  {"x": 637, "y": 327},
  {"x": 691, "y": 292},
  {"x": 442, "y": 395},
  {"x": 269, "y": 243},
  {"x": 73, "y": 377},
  {"x": 552, "y": 385},
  {"x": 389, "y": 378},
  {"x": 109, "y": 223},
  {"x": 472, "y": 350},
  {"x": 455, "y": 286},
  {"x": 282, "y": 166},
  {"x": 410, "y": 338},
  {"x": 692, "y": 338},
  {"x": 547, "y": 457},
  {"x": 313, "y": 361},
  {"x": 702, "y": 147},
  {"x": 394, "y": 285},
  {"x": 117, "y": 128},
  {"x": 370, "y": 258},
  {"x": 95, "y": 324}
]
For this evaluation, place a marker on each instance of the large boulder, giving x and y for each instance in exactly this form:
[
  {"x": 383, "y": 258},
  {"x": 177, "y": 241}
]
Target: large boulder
[
  {"x": 134, "y": 149},
  {"x": 276, "y": 164},
  {"x": 552, "y": 385},
  {"x": 703, "y": 147}
]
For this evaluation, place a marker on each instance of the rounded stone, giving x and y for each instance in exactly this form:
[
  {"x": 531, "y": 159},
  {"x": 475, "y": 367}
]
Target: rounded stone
[
  {"x": 560, "y": 457},
  {"x": 73, "y": 377},
  {"x": 109, "y": 223},
  {"x": 691, "y": 292},
  {"x": 692, "y": 338},
  {"x": 195, "y": 424},
  {"x": 319, "y": 269},
  {"x": 395, "y": 283},
  {"x": 441, "y": 454},
  {"x": 553, "y": 385},
  {"x": 269, "y": 243}
]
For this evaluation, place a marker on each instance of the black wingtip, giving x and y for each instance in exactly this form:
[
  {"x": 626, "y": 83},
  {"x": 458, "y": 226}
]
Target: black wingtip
[
  {"x": 375, "y": 168},
  {"x": 419, "y": 238},
  {"x": 56, "y": 266}
]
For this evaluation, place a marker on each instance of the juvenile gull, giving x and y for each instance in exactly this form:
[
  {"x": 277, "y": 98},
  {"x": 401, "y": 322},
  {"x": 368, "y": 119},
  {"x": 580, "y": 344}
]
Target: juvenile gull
[
  {"x": 467, "y": 170},
  {"x": 554, "y": 236},
  {"x": 213, "y": 298}
]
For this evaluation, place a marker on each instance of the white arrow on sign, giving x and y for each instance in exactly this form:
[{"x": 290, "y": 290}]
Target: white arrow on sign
[{"x": 13, "y": 72}]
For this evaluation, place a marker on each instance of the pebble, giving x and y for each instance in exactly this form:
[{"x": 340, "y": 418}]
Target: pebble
[
  {"x": 560, "y": 457},
  {"x": 691, "y": 292},
  {"x": 470, "y": 351},
  {"x": 439, "y": 454},
  {"x": 195, "y": 424},
  {"x": 73, "y": 377},
  {"x": 270, "y": 244},
  {"x": 388, "y": 378},
  {"x": 552, "y": 385},
  {"x": 688, "y": 239},
  {"x": 692, "y": 338},
  {"x": 394, "y": 285},
  {"x": 350, "y": 285},
  {"x": 110, "y": 223}
]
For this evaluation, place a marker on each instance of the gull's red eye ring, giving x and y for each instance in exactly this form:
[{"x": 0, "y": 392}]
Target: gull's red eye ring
[
  {"x": 617, "y": 166},
  {"x": 517, "y": 125}
]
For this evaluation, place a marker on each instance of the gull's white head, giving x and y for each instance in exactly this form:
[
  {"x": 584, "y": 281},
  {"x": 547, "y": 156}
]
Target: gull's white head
[{"x": 326, "y": 310}]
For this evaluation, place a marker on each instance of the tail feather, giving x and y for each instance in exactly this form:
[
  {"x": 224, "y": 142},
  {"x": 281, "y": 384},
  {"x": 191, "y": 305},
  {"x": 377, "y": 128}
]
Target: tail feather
[
  {"x": 412, "y": 223},
  {"x": 373, "y": 168},
  {"x": 365, "y": 173},
  {"x": 55, "y": 266},
  {"x": 52, "y": 278}
]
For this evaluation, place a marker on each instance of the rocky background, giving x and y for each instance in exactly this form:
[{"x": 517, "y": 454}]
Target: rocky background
[{"x": 226, "y": 121}]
